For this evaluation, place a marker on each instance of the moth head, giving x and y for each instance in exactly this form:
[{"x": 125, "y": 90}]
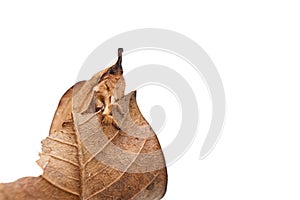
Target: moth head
[{"x": 116, "y": 70}]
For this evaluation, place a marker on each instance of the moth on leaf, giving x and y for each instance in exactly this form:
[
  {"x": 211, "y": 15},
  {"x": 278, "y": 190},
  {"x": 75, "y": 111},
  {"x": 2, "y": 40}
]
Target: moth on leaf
[{"x": 100, "y": 147}]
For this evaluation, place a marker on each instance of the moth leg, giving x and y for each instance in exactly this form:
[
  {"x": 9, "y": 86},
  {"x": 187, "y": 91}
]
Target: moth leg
[
  {"x": 119, "y": 109},
  {"x": 108, "y": 119},
  {"x": 99, "y": 105},
  {"x": 107, "y": 106},
  {"x": 117, "y": 106}
]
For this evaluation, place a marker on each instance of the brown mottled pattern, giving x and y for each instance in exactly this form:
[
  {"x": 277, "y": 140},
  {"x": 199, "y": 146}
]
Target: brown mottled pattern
[{"x": 85, "y": 159}]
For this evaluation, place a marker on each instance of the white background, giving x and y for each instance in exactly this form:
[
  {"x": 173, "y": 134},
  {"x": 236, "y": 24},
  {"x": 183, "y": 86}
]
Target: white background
[{"x": 254, "y": 44}]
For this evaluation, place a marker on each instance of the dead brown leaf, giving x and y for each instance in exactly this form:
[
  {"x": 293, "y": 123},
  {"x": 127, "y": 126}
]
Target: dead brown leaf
[{"x": 99, "y": 147}]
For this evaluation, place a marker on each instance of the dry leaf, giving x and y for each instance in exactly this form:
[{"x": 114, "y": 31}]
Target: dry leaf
[{"x": 99, "y": 147}]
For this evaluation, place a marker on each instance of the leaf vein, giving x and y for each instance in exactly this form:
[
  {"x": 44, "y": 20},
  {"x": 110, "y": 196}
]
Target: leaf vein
[
  {"x": 63, "y": 159},
  {"x": 60, "y": 187},
  {"x": 122, "y": 174},
  {"x": 143, "y": 188},
  {"x": 61, "y": 141}
]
